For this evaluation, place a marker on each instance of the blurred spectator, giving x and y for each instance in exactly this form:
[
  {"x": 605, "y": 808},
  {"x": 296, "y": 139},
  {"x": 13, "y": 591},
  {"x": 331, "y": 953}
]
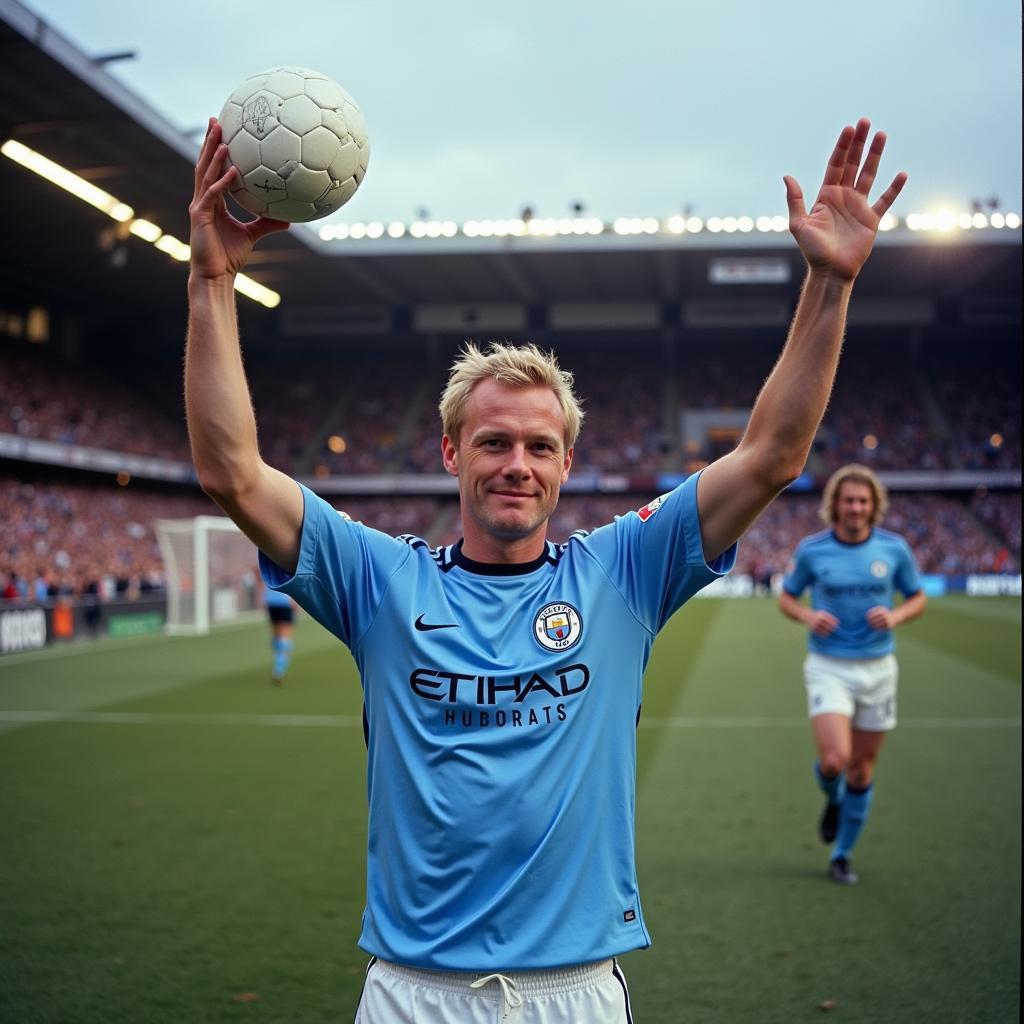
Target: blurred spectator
[
  {"x": 980, "y": 396},
  {"x": 361, "y": 413},
  {"x": 1001, "y": 513},
  {"x": 44, "y": 396},
  {"x": 99, "y": 541}
]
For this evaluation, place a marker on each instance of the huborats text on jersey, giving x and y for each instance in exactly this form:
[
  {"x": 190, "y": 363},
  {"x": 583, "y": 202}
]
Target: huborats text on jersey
[{"x": 524, "y": 699}]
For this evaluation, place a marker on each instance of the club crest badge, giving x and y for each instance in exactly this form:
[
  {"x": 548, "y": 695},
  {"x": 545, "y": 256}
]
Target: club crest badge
[
  {"x": 879, "y": 569},
  {"x": 558, "y": 627}
]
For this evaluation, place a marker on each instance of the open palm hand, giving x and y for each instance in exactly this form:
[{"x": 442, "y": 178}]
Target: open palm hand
[{"x": 837, "y": 235}]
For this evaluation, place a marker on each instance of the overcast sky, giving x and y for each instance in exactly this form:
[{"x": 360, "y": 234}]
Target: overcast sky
[{"x": 634, "y": 108}]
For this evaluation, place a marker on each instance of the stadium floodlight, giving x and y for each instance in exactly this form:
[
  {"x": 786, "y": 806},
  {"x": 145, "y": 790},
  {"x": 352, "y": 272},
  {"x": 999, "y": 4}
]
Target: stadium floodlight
[
  {"x": 174, "y": 248},
  {"x": 210, "y": 567},
  {"x": 254, "y": 290},
  {"x": 145, "y": 230},
  {"x": 121, "y": 212},
  {"x": 67, "y": 180},
  {"x": 944, "y": 220}
]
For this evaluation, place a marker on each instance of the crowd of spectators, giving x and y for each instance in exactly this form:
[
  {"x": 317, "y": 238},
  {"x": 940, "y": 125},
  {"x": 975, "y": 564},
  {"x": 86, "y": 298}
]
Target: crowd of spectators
[
  {"x": 291, "y": 408},
  {"x": 372, "y": 414},
  {"x": 1001, "y": 513},
  {"x": 981, "y": 397},
  {"x": 73, "y": 539},
  {"x": 877, "y": 417},
  {"x": 364, "y": 413},
  {"x": 380, "y": 399},
  {"x": 944, "y": 531},
  {"x": 44, "y": 396},
  {"x": 623, "y": 401},
  {"x": 63, "y": 539}
]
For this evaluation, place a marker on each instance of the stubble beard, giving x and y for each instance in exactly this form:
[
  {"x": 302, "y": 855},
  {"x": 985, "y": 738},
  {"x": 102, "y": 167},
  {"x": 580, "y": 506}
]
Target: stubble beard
[{"x": 510, "y": 526}]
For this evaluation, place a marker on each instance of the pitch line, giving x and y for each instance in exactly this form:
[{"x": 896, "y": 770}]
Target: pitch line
[
  {"x": 351, "y": 721},
  {"x": 170, "y": 718},
  {"x": 699, "y": 722}
]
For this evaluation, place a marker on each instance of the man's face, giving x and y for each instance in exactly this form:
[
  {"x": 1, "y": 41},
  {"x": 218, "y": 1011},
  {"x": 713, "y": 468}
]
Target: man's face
[
  {"x": 510, "y": 459},
  {"x": 855, "y": 505}
]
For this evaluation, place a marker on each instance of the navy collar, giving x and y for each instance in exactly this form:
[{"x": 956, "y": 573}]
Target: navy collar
[
  {"x": 852, "y": 543},
  {"x": 502, "y": 568}
]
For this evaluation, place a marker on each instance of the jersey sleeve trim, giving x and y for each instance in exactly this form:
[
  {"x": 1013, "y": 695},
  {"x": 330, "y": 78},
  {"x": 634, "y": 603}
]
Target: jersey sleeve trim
[
  {"x": 724, "y": 563},
  {"x": 278, "y": 579}
]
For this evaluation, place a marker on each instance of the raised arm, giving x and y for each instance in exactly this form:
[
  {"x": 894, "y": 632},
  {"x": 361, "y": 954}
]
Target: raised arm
[
  {"x": 266, "y": 504},
  {"x": 836, "y": 238}
]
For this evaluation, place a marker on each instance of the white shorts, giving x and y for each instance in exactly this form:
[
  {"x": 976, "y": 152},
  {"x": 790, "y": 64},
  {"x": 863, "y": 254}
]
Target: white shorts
[
  {"x": 863, "y": 689},
  {"x": 592, "y": 993}
]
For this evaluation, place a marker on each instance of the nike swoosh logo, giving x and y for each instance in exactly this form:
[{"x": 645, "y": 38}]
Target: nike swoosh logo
[{"x": 425, "y": 627}]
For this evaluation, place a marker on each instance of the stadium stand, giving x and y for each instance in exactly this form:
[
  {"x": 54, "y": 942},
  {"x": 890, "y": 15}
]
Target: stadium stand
[
  {"x": 43, "y": 395},
  {"x": 69, "y": 534},
  {"x": 360, "y": 413},
  {"x": 367, "y": 415},
  {"x": 345, "y": 374}
]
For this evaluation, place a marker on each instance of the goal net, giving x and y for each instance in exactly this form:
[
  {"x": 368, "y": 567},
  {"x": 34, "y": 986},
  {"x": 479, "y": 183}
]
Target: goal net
[{"x": 211, "y": 572}]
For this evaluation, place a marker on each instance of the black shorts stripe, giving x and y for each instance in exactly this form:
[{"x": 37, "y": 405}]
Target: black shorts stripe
[
  {"x": 621, "y": 979},
  {"x": 373, "y": 960}
]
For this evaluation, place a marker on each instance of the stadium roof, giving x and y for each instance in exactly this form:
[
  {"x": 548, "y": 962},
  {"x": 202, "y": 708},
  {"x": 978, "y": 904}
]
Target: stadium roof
[{"x": 63, "y": 104}]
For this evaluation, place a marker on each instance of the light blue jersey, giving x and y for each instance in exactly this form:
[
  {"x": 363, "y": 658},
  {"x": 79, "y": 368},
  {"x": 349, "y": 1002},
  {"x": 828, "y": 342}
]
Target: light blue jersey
[
  {"x": 276, "y": 598},
  {"x": 501, "y": 706},
  {"x": 847, "y": 580}
]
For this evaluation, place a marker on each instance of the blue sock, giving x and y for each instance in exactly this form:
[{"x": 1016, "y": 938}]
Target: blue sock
[
  {"x": 834, "y": 788},
  {"x": 282, "y": 648},
  {"x": 856, "y": 807}
]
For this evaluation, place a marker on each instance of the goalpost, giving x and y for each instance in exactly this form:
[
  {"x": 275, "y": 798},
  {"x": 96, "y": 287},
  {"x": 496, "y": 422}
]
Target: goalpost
[{"x": 211, "y": 572}]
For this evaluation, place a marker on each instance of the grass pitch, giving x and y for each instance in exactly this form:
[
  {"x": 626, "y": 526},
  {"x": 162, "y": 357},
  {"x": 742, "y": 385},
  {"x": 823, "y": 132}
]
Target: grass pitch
[{"x": 179, "y": 841}]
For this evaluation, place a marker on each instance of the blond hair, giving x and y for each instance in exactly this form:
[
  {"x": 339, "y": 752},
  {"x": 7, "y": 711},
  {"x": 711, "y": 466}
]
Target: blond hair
[
  {"x": 857, "y": 474},
  {"x": 519, "y": 366}
]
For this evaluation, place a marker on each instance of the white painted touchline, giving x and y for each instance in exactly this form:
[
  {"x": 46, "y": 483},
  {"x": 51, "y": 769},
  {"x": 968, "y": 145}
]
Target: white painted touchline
[{"x": 349, "y": 721}]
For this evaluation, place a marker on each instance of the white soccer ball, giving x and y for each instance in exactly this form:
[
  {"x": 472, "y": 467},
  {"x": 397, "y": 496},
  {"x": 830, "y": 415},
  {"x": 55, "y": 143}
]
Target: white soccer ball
[{"x": 299, "y": 142}]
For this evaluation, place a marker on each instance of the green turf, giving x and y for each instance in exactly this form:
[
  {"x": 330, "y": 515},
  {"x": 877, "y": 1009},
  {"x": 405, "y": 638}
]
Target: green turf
[{"x": 201, "y": 867}]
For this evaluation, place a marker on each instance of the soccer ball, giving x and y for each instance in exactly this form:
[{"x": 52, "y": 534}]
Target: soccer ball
[{"x": 299, "y": 142}]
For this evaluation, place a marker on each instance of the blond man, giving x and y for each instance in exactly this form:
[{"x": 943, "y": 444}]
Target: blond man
[
  {"x": 854, "y": 569},
  {"x": 502, "y": 675}
]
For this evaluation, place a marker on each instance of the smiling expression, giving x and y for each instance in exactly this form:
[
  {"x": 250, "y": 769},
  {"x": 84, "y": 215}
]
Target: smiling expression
[
  {"x": 855, "y": 507},
  {"x": 511, "y": 461}
]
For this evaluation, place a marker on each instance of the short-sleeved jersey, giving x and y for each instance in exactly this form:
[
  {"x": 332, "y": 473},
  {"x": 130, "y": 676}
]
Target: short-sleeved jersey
[
  {"x": 501, "y": 705},
  {"x": 847, "y": 580},
  {"x": 276, "y": 598}
]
